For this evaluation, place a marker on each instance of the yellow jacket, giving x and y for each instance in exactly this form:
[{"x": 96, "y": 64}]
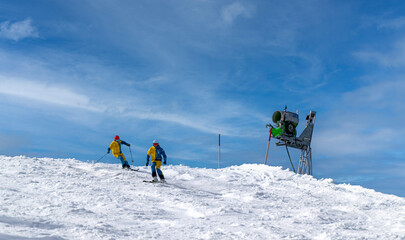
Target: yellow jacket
[
  {"x": 152, "y": 153},
  {"x": 115, "y": 147},
  {"x": 156, "y": 154}
]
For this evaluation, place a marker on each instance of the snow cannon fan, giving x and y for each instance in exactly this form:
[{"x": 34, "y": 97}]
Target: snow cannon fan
[
  {"x": 286, "y": 123},
  {"x": 285, "y": 131}
]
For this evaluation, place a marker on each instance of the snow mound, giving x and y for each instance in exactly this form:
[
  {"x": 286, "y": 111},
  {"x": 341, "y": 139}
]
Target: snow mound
[{"x": 44, "y": 198}]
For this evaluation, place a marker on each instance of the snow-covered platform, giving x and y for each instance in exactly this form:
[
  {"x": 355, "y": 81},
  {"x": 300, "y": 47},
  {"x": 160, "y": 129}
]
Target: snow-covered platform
[{"x": 43, "y": 198}]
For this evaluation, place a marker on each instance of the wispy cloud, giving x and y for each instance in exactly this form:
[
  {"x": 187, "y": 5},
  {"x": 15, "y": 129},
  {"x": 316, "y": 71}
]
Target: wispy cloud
[
  {"x": 18, "y": 30},
  {"x": 47, "y": 93},
  {"x": 235, "y": 10},
  {"x": 387, "y": 94},
  {"x": 64, "y": 96},
  {"x": 388, "y": 22},
  {"x": 395, "y": 57},
  {"x": 369, "y": 125},
  {"x": 305, "y": 79},
  {"x": 394, "y": 23}
]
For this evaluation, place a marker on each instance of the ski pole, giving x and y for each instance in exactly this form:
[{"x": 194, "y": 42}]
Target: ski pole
[
  {"x": 131, "y": 154},
  {"x": 100, "y": 158}
]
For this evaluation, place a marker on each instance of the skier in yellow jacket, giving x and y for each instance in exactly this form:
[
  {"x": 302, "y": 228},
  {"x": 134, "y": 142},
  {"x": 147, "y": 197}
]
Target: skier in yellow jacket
[
  {"x": 156, "y": 152},
  {"x": 115, "y": 146}
]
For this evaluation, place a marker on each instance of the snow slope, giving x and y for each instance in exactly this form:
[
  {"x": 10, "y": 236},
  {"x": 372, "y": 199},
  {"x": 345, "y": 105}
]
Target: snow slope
[{"x": 43, "y": 198}]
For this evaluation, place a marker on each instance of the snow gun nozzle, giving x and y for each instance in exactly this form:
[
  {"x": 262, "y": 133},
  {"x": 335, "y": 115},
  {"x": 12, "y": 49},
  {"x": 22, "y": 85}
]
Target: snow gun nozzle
[{"x": 269, "y": 126}]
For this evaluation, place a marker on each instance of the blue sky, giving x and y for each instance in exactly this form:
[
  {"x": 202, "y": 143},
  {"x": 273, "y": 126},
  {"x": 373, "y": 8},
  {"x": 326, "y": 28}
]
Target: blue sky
[{"x": 75, "y": 73}]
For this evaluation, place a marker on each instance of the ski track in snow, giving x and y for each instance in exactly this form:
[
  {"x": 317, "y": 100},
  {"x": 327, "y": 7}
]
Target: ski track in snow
[{"x": 44, "y": 198}]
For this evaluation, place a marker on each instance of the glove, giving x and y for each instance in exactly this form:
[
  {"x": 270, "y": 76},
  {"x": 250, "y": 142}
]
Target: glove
[
  {"x": 108, "y": 151},
  {"x": 129, "y": 145},
  {"x": 164, "y": 162},
  {"x": 147, "y": 163}
]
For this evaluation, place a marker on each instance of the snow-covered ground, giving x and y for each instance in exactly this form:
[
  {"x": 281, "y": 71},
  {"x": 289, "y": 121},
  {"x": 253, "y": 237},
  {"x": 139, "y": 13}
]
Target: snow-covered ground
[{"x": 44, "y": 198}]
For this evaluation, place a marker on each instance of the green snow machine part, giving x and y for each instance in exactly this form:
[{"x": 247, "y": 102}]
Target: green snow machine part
[{"x": 286, "y": 123}]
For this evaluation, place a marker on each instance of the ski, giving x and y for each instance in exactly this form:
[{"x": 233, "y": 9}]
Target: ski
[
  {"x": 132, "y": 169},
  {"x": 151, "y": 181}
]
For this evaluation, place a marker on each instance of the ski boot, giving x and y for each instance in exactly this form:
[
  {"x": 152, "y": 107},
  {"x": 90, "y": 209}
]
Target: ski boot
[{"x": 162, "y": 178}]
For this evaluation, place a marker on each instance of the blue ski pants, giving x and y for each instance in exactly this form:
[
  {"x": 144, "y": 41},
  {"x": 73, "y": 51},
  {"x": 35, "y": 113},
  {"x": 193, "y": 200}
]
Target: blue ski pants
[
  {"x": 155, "y": 166},
  {"x": 123, "y": 160}
]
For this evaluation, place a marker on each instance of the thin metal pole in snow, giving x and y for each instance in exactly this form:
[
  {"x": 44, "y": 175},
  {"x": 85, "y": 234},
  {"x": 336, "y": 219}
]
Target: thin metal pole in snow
[
  {"x": 289, "y": 157},
  {"x": 219, "y": 150},
  {"x": 268, "y": 145}
]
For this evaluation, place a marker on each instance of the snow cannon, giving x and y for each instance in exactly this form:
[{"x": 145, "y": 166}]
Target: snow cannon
[
  {"x": 286, "y": 123},
  {"x": 285, "y": 131}
]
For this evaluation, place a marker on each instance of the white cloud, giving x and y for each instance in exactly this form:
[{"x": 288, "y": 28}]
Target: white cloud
[
  {"x": 369, "y": 122},
  {"x": 63, "y": 96},
  {"x": 89, "y": 84},
  {"x": 52, "y": 94},
  {"x": 393, "y": 58},
  {"x": 233, "y": 11},
  {"x": 18, "y": 30},
  {"x": 181, "y": 119},
  {"x": 388, "y": 94}
]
